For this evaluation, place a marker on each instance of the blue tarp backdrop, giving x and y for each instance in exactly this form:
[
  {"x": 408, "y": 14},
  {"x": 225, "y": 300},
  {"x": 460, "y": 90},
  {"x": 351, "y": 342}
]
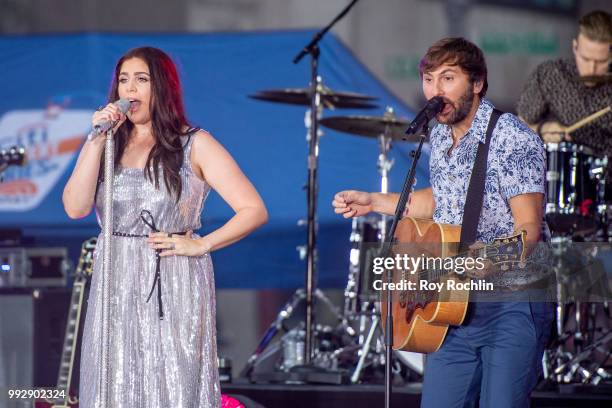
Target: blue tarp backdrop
[{"x": 50, "y": 86}]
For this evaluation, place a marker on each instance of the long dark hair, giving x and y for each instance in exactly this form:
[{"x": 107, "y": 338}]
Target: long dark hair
[{"x": 167, "y": 117}]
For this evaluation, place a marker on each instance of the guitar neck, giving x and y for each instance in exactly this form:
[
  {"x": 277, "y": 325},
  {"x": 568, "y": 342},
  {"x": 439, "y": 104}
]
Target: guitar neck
[
  {"x": 509, "y": 249},
  {"x": 70, "y": 339},
  {"x": 83, "y": 271}
]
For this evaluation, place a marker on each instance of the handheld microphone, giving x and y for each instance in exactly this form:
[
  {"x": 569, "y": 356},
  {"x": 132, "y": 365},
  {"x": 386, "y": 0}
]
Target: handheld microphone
[
  {"x": 123, "y": 105},
  {"x": 431, "y": 109}
]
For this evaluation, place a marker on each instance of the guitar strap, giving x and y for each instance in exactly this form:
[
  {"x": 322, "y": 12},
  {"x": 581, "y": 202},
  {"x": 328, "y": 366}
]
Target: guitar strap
[{"x": 475, "y": 193}]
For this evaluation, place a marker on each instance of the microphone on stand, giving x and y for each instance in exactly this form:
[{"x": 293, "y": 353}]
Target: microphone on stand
[
  {"x": 431, "y": 109},
  {"x": 100, "y": 128},
  {"x": 14, "y": 155}
]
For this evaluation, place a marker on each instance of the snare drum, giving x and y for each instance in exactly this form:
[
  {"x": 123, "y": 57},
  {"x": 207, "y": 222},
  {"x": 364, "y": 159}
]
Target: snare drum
[{"x": 573, "y": 177}]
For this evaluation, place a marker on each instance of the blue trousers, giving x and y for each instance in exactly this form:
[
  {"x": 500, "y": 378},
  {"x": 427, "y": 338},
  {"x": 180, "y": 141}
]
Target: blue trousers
[{"x": 494, "y": 357}]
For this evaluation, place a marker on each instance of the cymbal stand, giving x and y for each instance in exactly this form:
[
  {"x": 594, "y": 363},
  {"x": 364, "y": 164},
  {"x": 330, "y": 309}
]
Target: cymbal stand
[
  {"x": 365, "y": 349},
  {"x": 278, "y": 325},
  {"x": 351, "y": 295},
  {"x": 313, "y": 49},
  {"x": 307, "y": 252},
  {"x": 574, "y": 367},
  {"x": 385, "y": 164},
  {"x": 367, "y": 311},
  {"x": 560, "y": 365},
  {"x": 598, "y": 172},
  {"x": 560, "y": 313},
  {"x": 558, "y": 356}
]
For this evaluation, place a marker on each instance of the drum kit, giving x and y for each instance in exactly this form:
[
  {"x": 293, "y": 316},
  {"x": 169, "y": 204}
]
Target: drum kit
[
  {"x": 577, "y": 213},
  {"x": 576, "y": 210},
  {"x": 576, "y": 207},
  {"x": 576, "y": 183},
  {"x": 358, "y": 344}
]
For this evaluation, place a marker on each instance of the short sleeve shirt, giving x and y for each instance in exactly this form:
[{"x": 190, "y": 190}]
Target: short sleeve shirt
[{"x": 516, "y": 165}]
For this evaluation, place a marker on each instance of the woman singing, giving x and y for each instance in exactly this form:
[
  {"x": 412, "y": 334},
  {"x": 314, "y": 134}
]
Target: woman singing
[{"x": 162, "y": 348}]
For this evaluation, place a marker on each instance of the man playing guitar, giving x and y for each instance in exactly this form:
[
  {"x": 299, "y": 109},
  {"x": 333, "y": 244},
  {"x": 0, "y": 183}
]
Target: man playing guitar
[{"x": 495, "y": 355}]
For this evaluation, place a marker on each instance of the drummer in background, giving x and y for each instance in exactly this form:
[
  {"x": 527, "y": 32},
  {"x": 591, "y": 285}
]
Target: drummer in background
[{"x": 555, "y": 97}]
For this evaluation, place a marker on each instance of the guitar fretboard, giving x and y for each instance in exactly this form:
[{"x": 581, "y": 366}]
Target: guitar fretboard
[{"x": 83, "y": 270}]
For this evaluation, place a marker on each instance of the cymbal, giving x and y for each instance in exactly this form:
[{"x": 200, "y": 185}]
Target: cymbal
[
  {"x": 370, "y": 126},
  {"x": 330, "y": 99},
  {"x": 597, "y": 78}
]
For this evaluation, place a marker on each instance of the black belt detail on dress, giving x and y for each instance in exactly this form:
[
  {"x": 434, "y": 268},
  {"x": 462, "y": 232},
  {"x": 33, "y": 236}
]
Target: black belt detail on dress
[{"x": 147, "y": 218}]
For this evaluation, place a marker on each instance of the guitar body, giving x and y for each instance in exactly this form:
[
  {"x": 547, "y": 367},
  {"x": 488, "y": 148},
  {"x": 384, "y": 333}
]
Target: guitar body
[{"x": 420, "y": 325}]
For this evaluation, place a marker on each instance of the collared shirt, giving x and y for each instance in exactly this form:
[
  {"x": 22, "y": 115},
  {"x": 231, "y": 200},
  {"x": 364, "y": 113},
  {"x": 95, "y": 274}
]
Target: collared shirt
[
  {"x": 554, "y": 92},
  {"x": 516, "y": 165}
]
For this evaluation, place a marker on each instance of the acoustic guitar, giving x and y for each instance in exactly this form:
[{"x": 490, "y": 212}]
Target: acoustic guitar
[{"x": 421, "y": 317}]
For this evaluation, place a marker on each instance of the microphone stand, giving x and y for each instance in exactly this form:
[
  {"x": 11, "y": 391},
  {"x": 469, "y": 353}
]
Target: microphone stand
[
  {"x": 386, "y": 246},
  {"x": 312, "y": 48},
  {"x": 107, "y": 229}
]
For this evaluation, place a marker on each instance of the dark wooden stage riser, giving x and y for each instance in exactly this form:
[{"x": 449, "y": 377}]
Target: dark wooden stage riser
[{"x": 358, "y": 396}]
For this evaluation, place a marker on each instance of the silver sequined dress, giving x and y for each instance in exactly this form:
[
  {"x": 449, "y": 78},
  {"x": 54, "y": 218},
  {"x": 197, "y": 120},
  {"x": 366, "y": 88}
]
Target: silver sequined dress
[{"x": 153, "y": 363}]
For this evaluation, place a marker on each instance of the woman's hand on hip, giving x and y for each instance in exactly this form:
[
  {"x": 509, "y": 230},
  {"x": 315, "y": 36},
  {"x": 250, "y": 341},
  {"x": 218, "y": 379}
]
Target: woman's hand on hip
[{"x": 183, "y": 245}]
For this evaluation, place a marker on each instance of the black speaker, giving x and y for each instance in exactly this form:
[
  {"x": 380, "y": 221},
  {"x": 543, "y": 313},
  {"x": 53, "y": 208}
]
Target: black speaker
[
  {"x": 32, "y": 330},
  {"x": 50, "y": 317}
]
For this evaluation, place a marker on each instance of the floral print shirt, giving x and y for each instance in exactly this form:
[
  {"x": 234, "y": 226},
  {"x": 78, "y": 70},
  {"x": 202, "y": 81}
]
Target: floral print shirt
[{"x": 516, "y": 165}]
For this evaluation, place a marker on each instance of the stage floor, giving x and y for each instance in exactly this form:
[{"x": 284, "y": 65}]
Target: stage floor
[{"x": 368, "y": 396}]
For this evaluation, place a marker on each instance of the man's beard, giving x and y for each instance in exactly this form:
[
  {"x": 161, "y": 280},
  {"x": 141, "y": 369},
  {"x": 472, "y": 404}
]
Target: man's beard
[{"x": 465, "y": 102}]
